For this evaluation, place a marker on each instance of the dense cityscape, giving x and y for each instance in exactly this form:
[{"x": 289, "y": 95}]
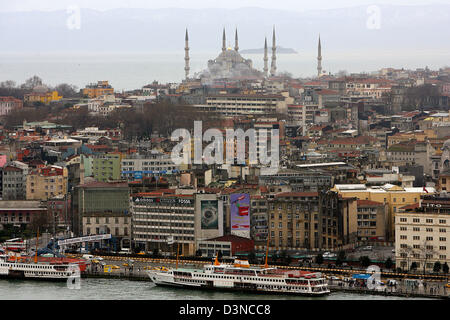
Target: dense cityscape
[{"x": 362, "y": 173}]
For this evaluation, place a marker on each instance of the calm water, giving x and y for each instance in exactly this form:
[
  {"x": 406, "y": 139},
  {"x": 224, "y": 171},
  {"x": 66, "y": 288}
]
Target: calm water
[
  {"x": 133, "y": 70},
  {"x": 105, "y": 289}
]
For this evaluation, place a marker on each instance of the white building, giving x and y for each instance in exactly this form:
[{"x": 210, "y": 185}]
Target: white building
[{"x": 154, "y": 163}]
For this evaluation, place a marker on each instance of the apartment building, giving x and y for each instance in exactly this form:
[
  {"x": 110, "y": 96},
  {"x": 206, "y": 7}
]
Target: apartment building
[
  {"x": 47, "y": 182},
  {"x": 394, "y": 196},
  {"x": 245, "y": 104},
  {"x": 293, "y": 220},
  {"x": 100, "y": 88},
  {"x": 14, "y": 181},
  {"x": 371, "y": 220},
  {"x": 258, "y": 219},
  {"x": 422, "y": 235},
  {"x": 147, "y": 165},
  {"x": 9, "y": 104},
  {"x": 106, "y": 167}
]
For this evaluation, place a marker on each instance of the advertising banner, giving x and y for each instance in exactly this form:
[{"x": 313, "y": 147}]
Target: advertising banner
[
  {"x": 240, "y": 214},
  {"x": 209, "y": 214}
]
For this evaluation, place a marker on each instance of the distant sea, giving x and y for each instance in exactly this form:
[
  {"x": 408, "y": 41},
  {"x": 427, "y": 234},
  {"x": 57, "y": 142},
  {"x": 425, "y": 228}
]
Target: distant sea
[{"x": 126, "y": 71}]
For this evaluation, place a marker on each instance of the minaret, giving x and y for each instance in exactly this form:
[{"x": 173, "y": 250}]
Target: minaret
[
  {"x": 236, "y": 46},
  {"x": 273, "y": 67},
  {"x": 319, "y": 59},
  {"x": 186, "y": 55},
  {"x": 266, "y": 67},
  {"x": 224, "y": 41}
]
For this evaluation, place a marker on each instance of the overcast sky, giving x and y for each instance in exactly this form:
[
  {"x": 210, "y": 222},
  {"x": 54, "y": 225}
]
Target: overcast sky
[{"x": 298, "y": 5}]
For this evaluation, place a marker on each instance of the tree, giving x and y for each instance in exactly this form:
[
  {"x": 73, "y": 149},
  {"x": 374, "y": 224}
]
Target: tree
[
  {"x": 32, "y": 82},
  {"x": 437, "y": 267},
  {"x": 426, "y": 251},
  {"x": 388, "y": 263},
  {"x": 8, "y": 84},
  {"x": 445, "y": 268},
  {"x": 365, "y": 261},
  {"x": 340, "y": 258},
  {"x": 413, "y": 266},
  {"x": 319, "y": 258},
  {"x": 252, "y": 257},
  {"x": 67, "y": 90}
]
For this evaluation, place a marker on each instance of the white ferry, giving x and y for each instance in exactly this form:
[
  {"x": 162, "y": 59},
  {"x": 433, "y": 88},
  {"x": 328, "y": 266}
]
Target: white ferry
[
  {"x": 241, "y": 277},
  {"x": 13, "y": 267}
]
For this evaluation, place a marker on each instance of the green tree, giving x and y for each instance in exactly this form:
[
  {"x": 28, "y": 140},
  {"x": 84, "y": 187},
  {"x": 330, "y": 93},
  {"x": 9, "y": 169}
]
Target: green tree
[
  {"x": 319, "y": 258},
  {"x": 340, "y": 258},
  {"x": 252, "y": 257},
  {"x": 388, "y": 263},
  {"x": 445, "y": 268},
  {"x": 365, "y": 261},
  {"x": 437, "y": 266}
]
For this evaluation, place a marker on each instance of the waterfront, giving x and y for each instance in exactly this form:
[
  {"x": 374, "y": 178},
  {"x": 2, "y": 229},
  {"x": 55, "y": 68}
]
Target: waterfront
[{"x": 113, "y": 289}]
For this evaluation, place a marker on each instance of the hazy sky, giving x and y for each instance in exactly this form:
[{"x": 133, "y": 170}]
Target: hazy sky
[{"x": 298, "y": 5}]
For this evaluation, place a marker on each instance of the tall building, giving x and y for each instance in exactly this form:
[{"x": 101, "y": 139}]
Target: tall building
[
  {"x": 160, "y": 220},
  {"x": 421, "y": 233},
  {"x": 319, "y": 59},
  {"x": 273, "y": 67}
]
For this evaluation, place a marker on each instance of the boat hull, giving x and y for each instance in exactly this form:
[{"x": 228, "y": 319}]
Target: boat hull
[{"x": 18, "y": 276}]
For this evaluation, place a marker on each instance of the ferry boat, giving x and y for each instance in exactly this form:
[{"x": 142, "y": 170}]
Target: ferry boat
[
  {"x": 16, "y": 265},
  {"x": 239, "y": 276},
  {"x": 22, "y": 267}
]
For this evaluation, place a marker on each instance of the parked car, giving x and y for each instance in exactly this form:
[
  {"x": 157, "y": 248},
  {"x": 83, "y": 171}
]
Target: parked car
[
  {"x": 367, "y": 248},
  {"x": 125, "y": 251}
]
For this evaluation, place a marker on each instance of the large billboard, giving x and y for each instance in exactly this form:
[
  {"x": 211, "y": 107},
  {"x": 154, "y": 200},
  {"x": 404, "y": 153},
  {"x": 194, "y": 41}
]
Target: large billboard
[
  {"x": 240, "y": 214},
  {"x": 209, "y": 214}
]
